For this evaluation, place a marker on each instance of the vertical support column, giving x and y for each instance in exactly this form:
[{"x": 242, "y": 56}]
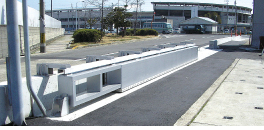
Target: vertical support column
[
  {"x": 51, "y": 8},
  {"x": 42, "y": 27},
  {"x": 14, "y": 62},
  {"x": 102, "y": 24},
  {"x": 183, "y": 11},
  {"x": 168, "y": 9}
]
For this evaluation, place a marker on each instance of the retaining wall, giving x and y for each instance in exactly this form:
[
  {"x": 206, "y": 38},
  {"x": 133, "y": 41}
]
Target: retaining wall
[{"x": 34, "y": 38}]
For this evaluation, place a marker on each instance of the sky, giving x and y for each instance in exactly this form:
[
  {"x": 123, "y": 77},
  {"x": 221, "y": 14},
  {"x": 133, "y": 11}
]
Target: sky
[{"x": 66, "y": 4}]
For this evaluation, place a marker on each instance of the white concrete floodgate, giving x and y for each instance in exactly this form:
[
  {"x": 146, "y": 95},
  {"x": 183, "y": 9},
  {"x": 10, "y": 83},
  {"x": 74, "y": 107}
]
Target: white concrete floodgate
[{"x": 203, "y": 53}]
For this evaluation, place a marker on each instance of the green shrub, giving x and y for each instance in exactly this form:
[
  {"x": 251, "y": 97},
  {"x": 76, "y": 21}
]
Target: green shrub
[
  {"x": 129, "y": 32},
  {"x": 87, "y": 35},
  {"x": 146, "y": 31},
  {"x": 140, "y": 32}
]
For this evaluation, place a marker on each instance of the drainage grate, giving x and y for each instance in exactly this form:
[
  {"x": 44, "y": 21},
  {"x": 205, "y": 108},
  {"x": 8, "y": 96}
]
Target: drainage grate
[
  {"x": 259, "y": 108},
  {"x": 243, "y": 80},
  {"x": 260, "y": 88},
  {"x": 238, "y": 93},
  {"x": 260, "y": 77},
  {"x": 228, "y": 117}
]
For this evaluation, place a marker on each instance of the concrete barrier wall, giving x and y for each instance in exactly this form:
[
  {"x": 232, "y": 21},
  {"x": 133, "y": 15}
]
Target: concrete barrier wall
[
  {"x": 142, "y": 70},
  {"x": 46, "y": 87},
  {"x": 34, "y": 38}
]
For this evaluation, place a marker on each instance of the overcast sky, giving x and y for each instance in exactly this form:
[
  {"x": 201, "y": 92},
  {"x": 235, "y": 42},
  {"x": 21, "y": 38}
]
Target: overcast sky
[{"x": 65, "y": 4}]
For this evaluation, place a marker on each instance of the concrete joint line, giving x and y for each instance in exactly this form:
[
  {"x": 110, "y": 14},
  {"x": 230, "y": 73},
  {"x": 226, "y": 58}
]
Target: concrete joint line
[{"x": 189, "y": 116}]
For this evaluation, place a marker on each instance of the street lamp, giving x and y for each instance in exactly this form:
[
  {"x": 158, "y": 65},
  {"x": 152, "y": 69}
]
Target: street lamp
[
  {"x": 77, "y": 14},
  {"x": 236, "y": 16}
]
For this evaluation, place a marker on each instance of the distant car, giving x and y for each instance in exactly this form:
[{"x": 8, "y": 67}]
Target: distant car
[
  {"x": 226, "y": 31},
  {"x": 111, "y": 31},
  {"x": 249, "y": 32},
  {"x": 177, "y": 30}
]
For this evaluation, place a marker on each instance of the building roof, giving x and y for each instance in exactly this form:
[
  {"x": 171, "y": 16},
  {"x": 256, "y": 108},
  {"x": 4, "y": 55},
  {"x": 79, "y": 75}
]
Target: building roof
[
  {"x": 197, "y": 3},
  {"x": 207, "y": 19},
  {"x": 199, "y": 20}
]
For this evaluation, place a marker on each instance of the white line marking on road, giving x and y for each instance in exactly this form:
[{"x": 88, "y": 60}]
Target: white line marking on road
[
  {"x": 110, "y": 54},
  {"x": 80, "y": 59}
]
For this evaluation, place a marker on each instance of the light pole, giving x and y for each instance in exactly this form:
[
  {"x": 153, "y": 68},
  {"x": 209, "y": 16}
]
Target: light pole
[
  {"x": 77, "y": 14},
  {"x": 102, "y": 24},
  {"x": 236, "y": 17},
  {"x": 51, "y": 8}
]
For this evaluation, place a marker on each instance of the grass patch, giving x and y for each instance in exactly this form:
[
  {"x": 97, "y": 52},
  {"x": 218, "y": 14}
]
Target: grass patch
[{"x": 111, "y": 38}]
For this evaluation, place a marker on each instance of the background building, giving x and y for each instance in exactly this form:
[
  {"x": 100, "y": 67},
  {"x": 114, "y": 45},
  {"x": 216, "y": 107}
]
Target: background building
[
  {"x": 209, "y": 24},
  {"x": 186, "y": 10},
  {"x": 77, "y": 18},
  {"x": 258, "y": 24}
]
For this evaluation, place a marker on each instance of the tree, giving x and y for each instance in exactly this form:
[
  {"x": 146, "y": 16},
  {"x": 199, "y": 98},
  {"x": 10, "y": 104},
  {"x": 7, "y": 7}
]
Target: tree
[
  {"x": 100, "y": 4},
  {"x": 215, "y": 16},
  {"x": 137, "y": 3},
  {"x": 118, "y": 17},
  {"x": 91, "y": 21}
]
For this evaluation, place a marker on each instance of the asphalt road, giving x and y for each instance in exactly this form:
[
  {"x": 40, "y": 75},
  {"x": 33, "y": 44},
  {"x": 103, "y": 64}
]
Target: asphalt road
[
  {"x": 200, "y": 40},
  {"x": 75, "y": 57},
  {"x": 163, "y": 102}
]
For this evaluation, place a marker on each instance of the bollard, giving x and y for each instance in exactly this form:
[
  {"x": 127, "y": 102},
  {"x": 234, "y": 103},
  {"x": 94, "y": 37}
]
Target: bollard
[{"x": 231, "y": 33}]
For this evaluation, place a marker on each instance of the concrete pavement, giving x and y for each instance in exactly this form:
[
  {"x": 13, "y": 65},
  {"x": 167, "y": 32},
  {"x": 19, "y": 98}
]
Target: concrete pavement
[
  {"x": 59, "y": 44},
  {"x": 235, "y": 98}
]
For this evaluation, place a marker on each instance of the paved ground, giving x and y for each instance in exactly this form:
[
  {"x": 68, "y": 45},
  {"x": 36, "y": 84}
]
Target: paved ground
[
  {"x": 236, "y": 100},
  {"x": 59, "y": 44},
  {"x": 229, "y": 84}
]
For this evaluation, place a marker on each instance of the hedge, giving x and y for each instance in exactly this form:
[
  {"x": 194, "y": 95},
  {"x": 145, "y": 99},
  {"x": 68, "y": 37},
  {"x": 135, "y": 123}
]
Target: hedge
[
  {"x": 87, "y": 35},
  {"x": 146, "y": 31},
  {"x": 140, "y": 32}
]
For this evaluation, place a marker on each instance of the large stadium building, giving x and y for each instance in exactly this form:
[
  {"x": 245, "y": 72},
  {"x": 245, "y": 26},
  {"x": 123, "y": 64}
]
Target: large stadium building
[
  {"x": 178, "y": 12},
  {"x": 187, "y": 10}
]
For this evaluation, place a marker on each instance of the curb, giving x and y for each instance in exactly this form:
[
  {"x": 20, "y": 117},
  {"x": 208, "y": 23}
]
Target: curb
[{"x": 189, "y": 116}]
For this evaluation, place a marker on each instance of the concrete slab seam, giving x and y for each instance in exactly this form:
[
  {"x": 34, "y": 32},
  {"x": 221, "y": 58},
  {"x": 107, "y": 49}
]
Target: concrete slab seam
[{"x": 189, "y": 116}]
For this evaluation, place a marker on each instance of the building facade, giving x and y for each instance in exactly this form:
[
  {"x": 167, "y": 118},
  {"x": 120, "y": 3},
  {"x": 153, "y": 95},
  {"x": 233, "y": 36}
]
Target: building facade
[
  {"x": 258, "y": 24},
  {"x": 187, "y": 10},
  {"x": 72, "y": 19}
]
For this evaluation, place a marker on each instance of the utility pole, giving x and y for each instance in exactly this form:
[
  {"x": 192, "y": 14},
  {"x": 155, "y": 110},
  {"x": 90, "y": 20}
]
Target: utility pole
[
  {"x": 136, "y": 19},
  {"x": 51, "y": 8},
  {"x": 14, "y": 64},
  {"x": 102, "y": 25},
  {"x": 236, "y": 17},
  {"x": 227, "y": 1},
  {"x": 42, "y": 26}
]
